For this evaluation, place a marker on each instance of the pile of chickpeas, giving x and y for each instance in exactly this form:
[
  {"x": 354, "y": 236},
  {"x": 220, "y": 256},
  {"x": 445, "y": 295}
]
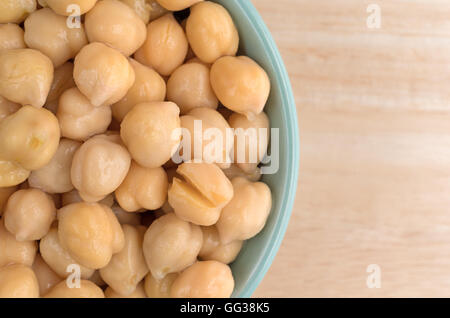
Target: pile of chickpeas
[{"x": 91, "y": 202}]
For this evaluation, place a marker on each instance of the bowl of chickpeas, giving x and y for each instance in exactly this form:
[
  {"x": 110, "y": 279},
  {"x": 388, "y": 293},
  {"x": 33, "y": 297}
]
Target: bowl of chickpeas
[{"x": 118, "y": 174}]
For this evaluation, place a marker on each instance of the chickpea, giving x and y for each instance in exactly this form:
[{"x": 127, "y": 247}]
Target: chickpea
[
  {"x": 11, "y": 37},
  {"x": 74, "y": 197},
  {"x": 29, "y": 214},
  {"x": 18, "y": 281},
  {"x": 211, "y": 32},
  {"x": 247, "y": 213},
  {"x": 5, "y": 193},
  {"x": 13, "y": 11},
  {"x": 49, "y": 33},
  {"x": 149, "y": 132},
  {"x": 143, "y": 188},
  {"x": 240, "y": 84},
  {"x": 234, "y": 171},
  {"x": 214, "y": 250},
  {"x": 127, "y": 268},
  {"x": 125, "y": 217},
  {"x": 62, "y": 81},
  {"x": 25, "y": 76},
  {"x": 102, "y": 74},
  {"x": 55, "y": 176},
  {"x": 139, "y": 292},
  {"x": 189, "y": 87},
  {"x": 63, "y": 7},
  {"x": 165, "y": 47},
  {"x": 57, "y": 257},
  {"x": 46, "y": 277},
  {"x": 177, "y": 5},
  {"x": 7, "y": 107},
  {"x": 159, "y": 288},
  {"x": 209, "y": 279},
  {"x": 117, "y": 25},
  {"x": 149, "y": 86},
  {"x": 255, "y": 144},
  {"x": 98, "y": 168},
  {"x": 90, "y": 233},
  {"x": 78, "y": 118},
  {"x": 170, "y": 245},
  {"x": 12, "y": 174},
  {"x": 87, "y": 290},
  {"x": 13, "y": 251},
  {"x": 201, "y": 198}
]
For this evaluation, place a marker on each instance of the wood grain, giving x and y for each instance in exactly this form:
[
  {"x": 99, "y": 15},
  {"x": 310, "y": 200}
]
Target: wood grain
[{"x": 374, "y": 115}]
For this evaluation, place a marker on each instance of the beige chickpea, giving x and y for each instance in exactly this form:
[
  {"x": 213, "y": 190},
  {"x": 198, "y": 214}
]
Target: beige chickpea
[
  {"x": 65, "y": 7},
  {"x": 78, "y": 118},
  {"x": 128, "y": 267},
  {"x": 29, "y": 214},
  {"x": 147, "y": 10},
  {"x": 149, "y": 86},
  {"x": 62, "y": 81},
  {"x": 13, "y": 251},
  {"x": 7, "y": 107},
  {"x": 18, "y": 281},
  {"x": 29, "y": 137},
  {"x": 58, "y": 258},
  {"x": 200, "y": 199},
  {"x": 12, "y": 174},
  {"x": 240, "y": 84},
  {"x": 74, "y": 197},
  {"x": 149, "y": 132},
  {"x": 170, "y": 245},
  {"x": 211, "y": 32},
  {"x": 46, "y": 277},
  {"x": 247, "y": 213},
  {"x": 13, "y": 11},
  {"x": 159, "y": 288},
  {"x": 214, "y": 250},
  {"x": 11, "y": 37},
  {"x": 165, "y": 47},
  {"x": 5, "y": 193},
  {"x": 102, "y": 74},
  {"x": 90, "y": 233},
  {"x": 139, "y": 292},
  {"x": 49, "y": 33},
  {"x": 177, "y": 5},
  {"x": 25, "y": 76},
  {"x": 117, "y": 25},
  {"x": 125, "y": 217},
  {"x": 208, "y": 279},
  {"x": 55, "y": 176},
  {"x": 234, "y": 171},
  {"x": 87, "y": 290},
  {"x": 143, "y": 188},
  {"x": 98, "y": 168},
  {"x": 189, "y": 87}
]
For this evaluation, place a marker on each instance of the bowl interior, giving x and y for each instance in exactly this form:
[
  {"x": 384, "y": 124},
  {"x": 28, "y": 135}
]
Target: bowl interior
[{"x": 256, "y": 42}]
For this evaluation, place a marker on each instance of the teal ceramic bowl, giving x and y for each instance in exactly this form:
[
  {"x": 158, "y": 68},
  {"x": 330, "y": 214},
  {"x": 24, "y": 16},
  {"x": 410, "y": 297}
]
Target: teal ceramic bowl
[{"x": 256, "y": 42}]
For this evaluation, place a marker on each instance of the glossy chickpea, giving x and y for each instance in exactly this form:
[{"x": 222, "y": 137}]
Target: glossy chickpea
[
  {"x": 13, "y": 251},
  {"x": 139, "y": 292},
  {"x": 12, "y": 174},
  {"x": 49, "y": 33},
  {"x": 147, "y": 10},
  {"x": 18, "y": 281},
  {"x": 159, "y": 288},
  {"x": 87, "y": 290},
  {"x": 211, "y": 32},
  {"x": 90, "y": 233},
  {"x": 98, "y": 168},
  {"x": 55, "y": 176},
  {"x": 62, "y": 81},
  {"x": 149, "y": 132},
  {"x": 170, "y": 245},
  {"x": 149, "y": 86},
  {"x": 13, "y": 11},
  {"x": 74, "y": 197},
  {"x": 200, "y": 199},
  {"x": 247, "y": 213},
  {"x": 29, "y": 214},
  {"x": 25, "y": 76},
  {"x": 11, "y": 37},
  {"x": 128, "y": 267},
  {"x": 214, "y": 250},
  {"x": 7, "y": 107},
  {"x": 116, "y": 25},
  {"x": 46, "y": 277},
  {"x": 234, "y": 171},
  {"x": 208, "y": 279},
  {"x": 177, "y": 5},
  {"x": 5, "y": 193},
  {"x": 58, "y": 258},
  {"x": 189, "y": 87},
  {"x": 143, "y": 188},
  {"x": 165, "y": 47},
  {"x": 240, "y": 84},
  {"x": 66, "y": 7},
  {"x": 78, "y": 118},
  {"x": 102, "y": 74}
]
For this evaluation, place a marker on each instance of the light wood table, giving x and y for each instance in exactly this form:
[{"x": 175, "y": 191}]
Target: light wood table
[{"x": 374, "y": 115}]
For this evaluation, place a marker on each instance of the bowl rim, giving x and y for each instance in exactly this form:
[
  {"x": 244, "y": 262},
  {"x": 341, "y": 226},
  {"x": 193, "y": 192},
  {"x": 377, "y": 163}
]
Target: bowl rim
[{"x": 292, "y": 154}]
